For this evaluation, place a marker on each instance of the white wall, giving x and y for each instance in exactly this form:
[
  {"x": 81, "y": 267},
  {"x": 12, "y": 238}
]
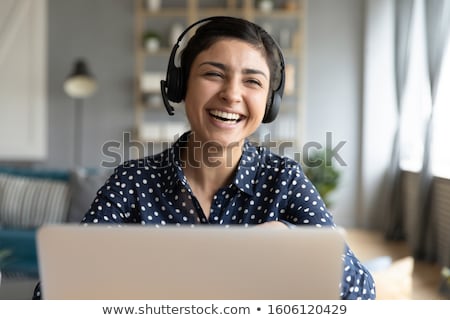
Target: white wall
[{"x": 334, "y": 91}]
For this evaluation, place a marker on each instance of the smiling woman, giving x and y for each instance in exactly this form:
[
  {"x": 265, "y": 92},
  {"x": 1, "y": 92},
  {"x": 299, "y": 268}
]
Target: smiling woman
[{"x": 231, "y": 80}]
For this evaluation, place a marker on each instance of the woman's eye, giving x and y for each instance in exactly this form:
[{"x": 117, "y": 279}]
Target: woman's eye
[
  {"x": 254, "y": 82},
  {"x": 213, "y": 74}
]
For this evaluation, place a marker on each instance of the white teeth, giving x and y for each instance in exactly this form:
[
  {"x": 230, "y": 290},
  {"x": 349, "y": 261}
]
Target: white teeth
[{"x": 225, "y": 115}]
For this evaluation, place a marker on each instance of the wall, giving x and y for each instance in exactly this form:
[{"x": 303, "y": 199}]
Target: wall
[
  {"x": 101, "y": 31},
  {"x": 334, "y": 91}
]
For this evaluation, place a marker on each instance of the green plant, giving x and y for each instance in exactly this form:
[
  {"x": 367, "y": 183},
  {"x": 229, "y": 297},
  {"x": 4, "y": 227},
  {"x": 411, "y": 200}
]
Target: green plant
[
  {"x": 151, "y": 40},
  {"x": 5, "y": 254},
  {"x": 445, "y": 283},
  {"x": 320, "y": 170},
  {"x": 151, "y": 34}
]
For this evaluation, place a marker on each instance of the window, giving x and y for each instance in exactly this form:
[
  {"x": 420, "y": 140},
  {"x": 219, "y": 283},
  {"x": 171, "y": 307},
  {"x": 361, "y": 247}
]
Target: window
[
  {"x": 440, "y": 148},
  {"x": 416, "y": 98}
]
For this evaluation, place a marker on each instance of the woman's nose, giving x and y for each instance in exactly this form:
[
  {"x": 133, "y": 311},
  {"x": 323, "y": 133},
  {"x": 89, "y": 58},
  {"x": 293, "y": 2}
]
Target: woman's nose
[{"x": 231, "y": 91}]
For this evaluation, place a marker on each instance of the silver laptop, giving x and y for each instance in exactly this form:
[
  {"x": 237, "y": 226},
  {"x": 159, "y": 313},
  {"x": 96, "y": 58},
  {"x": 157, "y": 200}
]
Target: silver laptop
[{"x": 208, "y": 263}]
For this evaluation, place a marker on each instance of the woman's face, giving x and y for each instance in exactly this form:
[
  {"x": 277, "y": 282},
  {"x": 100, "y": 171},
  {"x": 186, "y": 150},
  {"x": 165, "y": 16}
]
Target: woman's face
[{"x": 227, "y": 92}]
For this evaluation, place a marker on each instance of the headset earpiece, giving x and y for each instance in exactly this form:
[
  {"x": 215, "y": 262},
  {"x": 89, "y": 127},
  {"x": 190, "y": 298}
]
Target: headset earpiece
[
  {"x": 274, "y": 103},
  {"x": 175, "y": 92},
  {"x": 171, "y": 87},
  {"x": 272, "y": 108}
]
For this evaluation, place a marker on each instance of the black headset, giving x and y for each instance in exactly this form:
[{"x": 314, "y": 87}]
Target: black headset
[{"x": 173, "y": 88}]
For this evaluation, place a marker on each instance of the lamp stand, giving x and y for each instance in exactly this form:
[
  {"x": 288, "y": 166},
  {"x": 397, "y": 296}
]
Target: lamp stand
[
  {"x": 78, "y": 133},
  {"x": 79, "y": 85}
]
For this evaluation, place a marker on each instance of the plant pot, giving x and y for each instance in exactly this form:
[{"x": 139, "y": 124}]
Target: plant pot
[
  {"x": 153, "y": 5},
  {"x": 265, "y": 5},
  {"x": 152, "y": 44}
]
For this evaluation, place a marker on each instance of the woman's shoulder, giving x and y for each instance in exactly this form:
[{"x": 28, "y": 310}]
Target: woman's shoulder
[{"x": 168, "y": 158}]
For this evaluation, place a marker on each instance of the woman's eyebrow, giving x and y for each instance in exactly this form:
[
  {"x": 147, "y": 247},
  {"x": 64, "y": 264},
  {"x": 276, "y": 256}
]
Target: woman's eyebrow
[{"x": 224, "y": 68}]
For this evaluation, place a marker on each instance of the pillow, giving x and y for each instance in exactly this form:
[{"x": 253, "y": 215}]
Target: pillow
[
  {"x": 395, "y": 281},
  {"x": 84, "y": 184},
  {"x": 21, "y": 245},
  {"x": 61, "y": 175},
  {"x": 29, "y": 202}
]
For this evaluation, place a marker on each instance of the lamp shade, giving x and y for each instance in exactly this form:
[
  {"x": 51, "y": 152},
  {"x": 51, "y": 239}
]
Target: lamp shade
[{"x": 80, "y": 83}]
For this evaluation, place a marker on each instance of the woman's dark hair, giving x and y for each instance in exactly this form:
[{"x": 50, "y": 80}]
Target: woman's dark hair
[{"x": 229, "y": 27}]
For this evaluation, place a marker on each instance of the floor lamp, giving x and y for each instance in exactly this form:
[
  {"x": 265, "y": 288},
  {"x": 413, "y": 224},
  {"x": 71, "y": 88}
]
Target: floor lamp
[{"x": 79, "y": 85}]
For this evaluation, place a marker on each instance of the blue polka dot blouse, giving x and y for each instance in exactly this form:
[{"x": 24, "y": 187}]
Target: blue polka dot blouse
[{"x": 266, "y": 187}]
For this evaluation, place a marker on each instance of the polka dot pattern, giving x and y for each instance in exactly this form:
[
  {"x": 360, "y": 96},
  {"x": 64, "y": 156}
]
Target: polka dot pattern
[
  {"x": 266, "y": 187},
  {"x": 155, "y": 191}
]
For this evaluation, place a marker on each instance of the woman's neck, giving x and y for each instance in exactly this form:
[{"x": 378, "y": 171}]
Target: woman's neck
[{"x": 209, "y": 165}]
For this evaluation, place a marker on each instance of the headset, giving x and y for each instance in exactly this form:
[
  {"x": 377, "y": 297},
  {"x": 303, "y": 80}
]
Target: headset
[{"x": 174, "y": 89}]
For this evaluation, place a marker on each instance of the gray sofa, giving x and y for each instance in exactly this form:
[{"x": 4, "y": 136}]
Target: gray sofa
[{"x": 30, "y": 198}]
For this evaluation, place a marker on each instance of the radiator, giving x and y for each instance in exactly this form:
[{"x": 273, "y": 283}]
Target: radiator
[
  {"x": 441, "y": 211},
  {"x": 411, "y": 221}
]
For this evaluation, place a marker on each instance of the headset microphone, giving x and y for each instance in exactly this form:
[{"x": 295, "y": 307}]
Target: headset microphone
[
  {"x": 176, "y": 73},
  {"x": 170, "y": 109}
]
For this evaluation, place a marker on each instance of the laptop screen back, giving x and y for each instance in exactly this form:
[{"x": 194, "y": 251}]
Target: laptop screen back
[{"x": 207, "y": 263}]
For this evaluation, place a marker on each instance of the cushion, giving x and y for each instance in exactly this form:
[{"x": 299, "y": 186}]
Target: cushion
[
  {"x": 61, "y": 175},
  {"x": 28, "y": 202},
  {"x": 84, "y": 184},
  {"x": 22, "y": 258}
]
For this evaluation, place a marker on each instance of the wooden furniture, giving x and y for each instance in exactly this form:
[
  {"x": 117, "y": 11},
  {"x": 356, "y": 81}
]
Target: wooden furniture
[{"x": 285, "y": 22}]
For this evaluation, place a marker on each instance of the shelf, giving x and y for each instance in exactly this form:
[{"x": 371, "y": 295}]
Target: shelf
[
  {"x": 289, "y": 122},
  {"x": 210, "y": 12},
  {"x": 165, "y": 13},
  {"x": 278, "y": 14}
]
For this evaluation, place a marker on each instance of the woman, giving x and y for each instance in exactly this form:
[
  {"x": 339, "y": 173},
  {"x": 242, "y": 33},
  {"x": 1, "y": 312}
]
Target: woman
[{"x": 231, "y": 80}]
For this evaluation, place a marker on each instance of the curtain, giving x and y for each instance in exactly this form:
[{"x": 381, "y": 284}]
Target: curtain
[
  {"x": 394, "y": 32},
  {"x": 12, "y": 15},
  {"x": 23, "y": 80},
  {"x": 393, "y": 226},
  {"x": 423, "y": 22},
  {"x": 379, "y": 112},
  {"x": 437, "y": 25}
]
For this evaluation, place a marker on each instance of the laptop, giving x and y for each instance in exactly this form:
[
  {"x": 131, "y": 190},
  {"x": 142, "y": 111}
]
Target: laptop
[{"x": 136, "y": 262}]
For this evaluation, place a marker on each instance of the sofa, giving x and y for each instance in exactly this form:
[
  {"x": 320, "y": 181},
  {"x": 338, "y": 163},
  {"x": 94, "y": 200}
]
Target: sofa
[{"x": 30, "y": 198}]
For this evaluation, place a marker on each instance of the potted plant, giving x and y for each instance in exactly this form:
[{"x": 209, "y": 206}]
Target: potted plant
[
  {"x": 4, "y": 255},
  {"x": 445, "y": 284},
  {"x": 152, "y": 40},
  {"x": 265, "y": 5},
  {"x": 319, "y": 169},
  {"x": 153, "y": 5}
]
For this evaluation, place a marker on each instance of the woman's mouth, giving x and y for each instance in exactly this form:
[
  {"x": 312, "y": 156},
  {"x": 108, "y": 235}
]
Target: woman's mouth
[{"x": 227, "y": 117}]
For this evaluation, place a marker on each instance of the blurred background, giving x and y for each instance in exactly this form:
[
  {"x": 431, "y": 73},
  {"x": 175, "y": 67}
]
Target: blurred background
[{"x": 366, "y": 84}]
